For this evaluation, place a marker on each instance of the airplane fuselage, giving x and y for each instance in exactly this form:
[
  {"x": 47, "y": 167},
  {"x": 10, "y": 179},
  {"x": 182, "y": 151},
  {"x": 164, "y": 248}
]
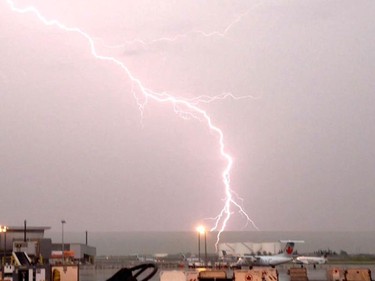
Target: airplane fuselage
[
  {"x": 311, "y": 260},
  {"x": 263, "y": 260},
  {"x": 271, "y": 260}
]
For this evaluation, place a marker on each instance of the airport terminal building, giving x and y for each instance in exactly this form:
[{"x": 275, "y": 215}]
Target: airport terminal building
[
  {"x": 31, "y": 240},
  {"x": 242, "y": 248}
]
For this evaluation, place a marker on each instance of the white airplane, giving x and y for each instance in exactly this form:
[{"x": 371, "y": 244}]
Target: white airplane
[
  {"x": 226, "y": 259},
  {"x": 193, "y": 261},
  {"x": 284, "y": 257},
  {"x": 311, "y": 260},
  {"x": 158, "y": 257},
  {"x": 145, "y": 259}
]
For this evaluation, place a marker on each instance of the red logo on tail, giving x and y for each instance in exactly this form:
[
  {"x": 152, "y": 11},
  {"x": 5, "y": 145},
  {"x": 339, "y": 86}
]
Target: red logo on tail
[{"x": 289, "y": 250}]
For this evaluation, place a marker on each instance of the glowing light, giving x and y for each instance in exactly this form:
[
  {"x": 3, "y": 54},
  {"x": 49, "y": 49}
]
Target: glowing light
[
  {"x": 183, "y": 107},
  {"x": 201, "y": 229}
]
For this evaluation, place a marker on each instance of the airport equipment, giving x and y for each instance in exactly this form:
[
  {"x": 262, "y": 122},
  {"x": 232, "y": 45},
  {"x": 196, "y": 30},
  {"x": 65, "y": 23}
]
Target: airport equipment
[
  {"x": 173, "y": 275},
  {"x": 298, "y": 274},
  {"x": 21, "y": 259},
  {"x": 24, "y": 273},
  {"x": 257, "y": 274},
  {"x": 22, "y": 268},
  {"x": 191, "y": 275},
  {"x": 205, "y": 275},
  {"x": 357, "y": 274},
  {"x": 212, "y": 275},
  {"x": 64, "y": 272},
  {"x": 335, "y": 274}
]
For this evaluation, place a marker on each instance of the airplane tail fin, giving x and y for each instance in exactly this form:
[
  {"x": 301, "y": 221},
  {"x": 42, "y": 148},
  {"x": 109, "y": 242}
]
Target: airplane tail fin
[
  {"x": 288, "y": 250},
  {"x": 289, "y": 246}
]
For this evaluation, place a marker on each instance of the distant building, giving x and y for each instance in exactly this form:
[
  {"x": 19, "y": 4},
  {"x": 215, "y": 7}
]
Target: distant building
[
  {"x": 77, "y": 251},
  {"x": 31, "y": 240},
  {"x": 241, "y": 248},
  {"x": 19, "y": 233}
]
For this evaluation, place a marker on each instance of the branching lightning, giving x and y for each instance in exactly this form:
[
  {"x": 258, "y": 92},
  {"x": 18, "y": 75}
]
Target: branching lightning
[
  {"x": 177, "y": 37},
  {"x": 146, "y": 43},
  {"x": 183, "y": 107}
]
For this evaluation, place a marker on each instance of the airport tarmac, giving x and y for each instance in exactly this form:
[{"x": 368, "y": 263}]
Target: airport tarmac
[{"x": 318, "y": 274}]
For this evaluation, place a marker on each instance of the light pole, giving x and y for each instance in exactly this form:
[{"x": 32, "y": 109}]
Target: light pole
[
  {"x": 202, "y": 230},
  {"x": 205, "y": 248},
  {"x": 62, "y": 241},
  {"x": 5, "y": 241},
  {"x": 1, "y": 230},
  {"x": 4, "y": 230}
]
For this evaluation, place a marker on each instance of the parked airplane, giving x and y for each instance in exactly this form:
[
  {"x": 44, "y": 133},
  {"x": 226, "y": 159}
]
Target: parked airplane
[
  {"x": 255, "y": 260},
  {"x": 193, "y": 261},
  {"x": 228, "y": 260},
  {"x": 158, "y": 257},
  {"x": 145, "y": 259},
  {"x": 311, "y": 260}
]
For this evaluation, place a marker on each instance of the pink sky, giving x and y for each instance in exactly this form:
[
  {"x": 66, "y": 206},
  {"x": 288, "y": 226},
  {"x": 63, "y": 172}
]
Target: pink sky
[{"x": 76, "y": 146}]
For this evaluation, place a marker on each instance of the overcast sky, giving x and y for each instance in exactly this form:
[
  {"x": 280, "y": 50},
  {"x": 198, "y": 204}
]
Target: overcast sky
[{"x": 75, "y": 145}]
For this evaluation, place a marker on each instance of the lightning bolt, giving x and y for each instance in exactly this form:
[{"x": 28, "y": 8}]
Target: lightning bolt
[
  {"x": 183, "y": 107},
  {"x": 177, "y": 37},
  {"x": 223, "y": 96},
  {"x": 185, "y": 35}
]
